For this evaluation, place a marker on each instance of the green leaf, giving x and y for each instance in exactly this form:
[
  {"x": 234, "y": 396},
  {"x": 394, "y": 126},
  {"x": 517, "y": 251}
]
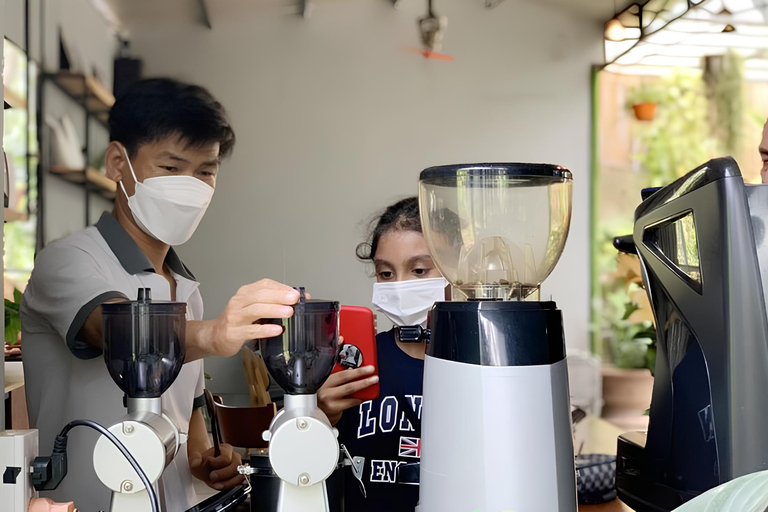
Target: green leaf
[
  {"x": 650, "y": 359},
  {"x": 11, "y": 305},
  {"x": 207, "y": 377},
  {"x": 629, "y": 308},
  {"x": 12, "y": 329},
  {"x": 17, "y": 296}
]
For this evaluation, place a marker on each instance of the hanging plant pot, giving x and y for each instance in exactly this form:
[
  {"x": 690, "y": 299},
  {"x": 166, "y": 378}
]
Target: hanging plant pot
[{"x": 645, "y": 111}]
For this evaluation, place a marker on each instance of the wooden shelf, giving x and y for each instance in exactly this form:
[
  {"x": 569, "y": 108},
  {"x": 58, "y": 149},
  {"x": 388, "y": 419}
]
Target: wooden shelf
[
  {"x": 88, "y": 176},
  {"x": 13, "y": 100},
  {"x": 14, "y": 216},
  {"x": 88, "y": 91}
]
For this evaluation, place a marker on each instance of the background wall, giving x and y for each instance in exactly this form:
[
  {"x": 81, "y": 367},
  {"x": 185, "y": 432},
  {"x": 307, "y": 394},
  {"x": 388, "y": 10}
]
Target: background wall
[{"x": 335, "y": 121}]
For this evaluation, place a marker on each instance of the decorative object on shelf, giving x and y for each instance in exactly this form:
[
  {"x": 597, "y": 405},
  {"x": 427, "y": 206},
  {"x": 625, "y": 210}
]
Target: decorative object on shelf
[
  {"x": 66, "y": 144},
  {"x": 69, "y": 59},
  {"x": 127, "y": 70}
]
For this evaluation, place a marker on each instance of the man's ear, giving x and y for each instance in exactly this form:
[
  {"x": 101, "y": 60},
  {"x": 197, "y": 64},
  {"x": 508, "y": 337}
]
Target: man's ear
[{"x": 115, "y": 162}]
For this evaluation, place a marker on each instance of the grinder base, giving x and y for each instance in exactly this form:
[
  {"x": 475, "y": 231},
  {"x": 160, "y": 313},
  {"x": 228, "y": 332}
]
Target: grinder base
[{"x": 637, "y": 484}]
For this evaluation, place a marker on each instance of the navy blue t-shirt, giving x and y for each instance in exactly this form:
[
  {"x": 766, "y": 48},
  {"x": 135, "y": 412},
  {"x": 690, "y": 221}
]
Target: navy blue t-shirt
[{"x": 380, "y": 431}]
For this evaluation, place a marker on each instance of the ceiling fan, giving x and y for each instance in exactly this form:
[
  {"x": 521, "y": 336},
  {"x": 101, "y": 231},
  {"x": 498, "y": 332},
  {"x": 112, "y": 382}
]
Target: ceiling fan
[{"x": 432, "y": 29}]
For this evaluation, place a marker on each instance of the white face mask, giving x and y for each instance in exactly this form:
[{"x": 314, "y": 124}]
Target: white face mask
[
  {"x": 168, "y": 208},
  {"x": 408, "y": 302}
]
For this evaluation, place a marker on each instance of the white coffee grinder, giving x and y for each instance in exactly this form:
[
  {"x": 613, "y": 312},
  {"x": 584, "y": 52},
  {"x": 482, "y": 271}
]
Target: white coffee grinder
[
  {"x": 303, "y": 446},
  {"x": 144, "y": 349},
  {"x": 496, "y": 426}
]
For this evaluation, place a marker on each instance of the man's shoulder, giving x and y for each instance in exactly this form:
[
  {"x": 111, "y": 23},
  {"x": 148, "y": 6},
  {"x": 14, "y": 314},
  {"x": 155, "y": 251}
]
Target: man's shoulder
[
  {"x": 74, "y": 248},
  {"x": 85, "y": 240},
  {"x": 73, "y": 257}
]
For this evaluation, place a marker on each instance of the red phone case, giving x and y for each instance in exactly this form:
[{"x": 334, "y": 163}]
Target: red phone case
[{"x": 357, "y": 327}]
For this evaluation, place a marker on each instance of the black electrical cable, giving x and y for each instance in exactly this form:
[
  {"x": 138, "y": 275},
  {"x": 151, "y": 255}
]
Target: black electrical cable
[{"x": 153, "y": 499}]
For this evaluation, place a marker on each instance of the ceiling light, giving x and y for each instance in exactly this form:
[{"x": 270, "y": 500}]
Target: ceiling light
[{"x": 614, "y": 30}]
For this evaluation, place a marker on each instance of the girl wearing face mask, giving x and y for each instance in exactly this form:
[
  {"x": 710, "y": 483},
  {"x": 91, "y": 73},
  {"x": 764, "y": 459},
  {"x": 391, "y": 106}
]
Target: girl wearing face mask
[{"x": 386, "y": 431}]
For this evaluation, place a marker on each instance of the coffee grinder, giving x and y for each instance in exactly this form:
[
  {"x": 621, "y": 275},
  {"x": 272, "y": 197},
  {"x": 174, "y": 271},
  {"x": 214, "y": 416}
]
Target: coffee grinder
[
  {"x": 704, "y": 259},
  {"x": 496, "y": 426},
  {"x": 144, "y": 349},
  {"x": 303, "y": 445}
]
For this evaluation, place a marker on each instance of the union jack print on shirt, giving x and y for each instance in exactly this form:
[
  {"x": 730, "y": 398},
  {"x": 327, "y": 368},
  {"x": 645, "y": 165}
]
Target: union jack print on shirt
[{"x": 410, "y": 447}]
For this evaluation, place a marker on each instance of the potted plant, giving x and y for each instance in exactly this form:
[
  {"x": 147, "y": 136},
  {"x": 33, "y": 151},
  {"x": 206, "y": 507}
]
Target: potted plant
[
  {"x": 628, "y": 384},
  {"x": 643, "y": 101},
  {"x": 12, "y": 325}
]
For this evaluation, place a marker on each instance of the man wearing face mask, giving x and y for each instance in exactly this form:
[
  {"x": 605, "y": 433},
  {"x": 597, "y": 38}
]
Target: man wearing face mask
[
  {"x": 387, "y": 431},
  {"x": 167, "y": 143}
]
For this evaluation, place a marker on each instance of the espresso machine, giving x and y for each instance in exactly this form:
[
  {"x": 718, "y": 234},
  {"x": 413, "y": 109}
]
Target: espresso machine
[
  {"x": 303, "y": 445},
  {"x": 704, "y": 258},
  {"x": 496, "y": 425},
  {"x": 144, "y": 349}
]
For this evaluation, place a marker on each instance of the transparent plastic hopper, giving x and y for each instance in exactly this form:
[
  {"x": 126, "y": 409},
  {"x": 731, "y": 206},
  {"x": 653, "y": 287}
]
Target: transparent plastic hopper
[{"x": 496, "y": 231}]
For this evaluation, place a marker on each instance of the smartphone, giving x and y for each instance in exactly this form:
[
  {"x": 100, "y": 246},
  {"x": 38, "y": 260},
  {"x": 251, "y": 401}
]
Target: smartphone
[{"x": 356, "y": 325}]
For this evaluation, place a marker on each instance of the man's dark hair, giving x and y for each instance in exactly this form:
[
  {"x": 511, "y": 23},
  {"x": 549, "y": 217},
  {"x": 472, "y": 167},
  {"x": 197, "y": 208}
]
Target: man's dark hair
[{"x": 151, "y": 110}]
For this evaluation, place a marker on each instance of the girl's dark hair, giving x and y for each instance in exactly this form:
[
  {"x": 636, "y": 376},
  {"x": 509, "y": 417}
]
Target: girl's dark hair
[{"x": 401, "y": 216}]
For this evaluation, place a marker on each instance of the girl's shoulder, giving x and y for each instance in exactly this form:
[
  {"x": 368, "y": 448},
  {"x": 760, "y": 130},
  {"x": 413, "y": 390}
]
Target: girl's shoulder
[{"x": 386, "y": 338}]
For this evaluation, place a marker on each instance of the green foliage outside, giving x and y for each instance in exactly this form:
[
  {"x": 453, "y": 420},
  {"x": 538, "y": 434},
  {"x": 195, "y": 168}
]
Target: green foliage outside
[
  {"x": 679, "y": 139},
  {"x": 12, "y": 321}
]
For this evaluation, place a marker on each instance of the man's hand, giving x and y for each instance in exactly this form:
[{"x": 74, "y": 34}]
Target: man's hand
[
  {"x": 334, "y": 397},
  {"x": 240, "y": 321},
  {"x": 217, "y": 472}
]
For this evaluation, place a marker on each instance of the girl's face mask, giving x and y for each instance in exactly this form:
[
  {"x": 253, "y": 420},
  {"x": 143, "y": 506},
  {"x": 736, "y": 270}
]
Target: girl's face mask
[{"x": 408, "y": 302}]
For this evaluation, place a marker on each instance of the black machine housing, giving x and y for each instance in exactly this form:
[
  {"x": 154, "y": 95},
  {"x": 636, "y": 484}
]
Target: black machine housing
[{"x": 701, "y": 246}]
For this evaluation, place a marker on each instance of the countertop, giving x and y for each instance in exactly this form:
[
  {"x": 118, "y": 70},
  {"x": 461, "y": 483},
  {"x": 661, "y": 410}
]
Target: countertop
[
  {"x": 599, "y": 436},
  {"x": 14, "y": 375},
  {"x": 594, "y": 435}
]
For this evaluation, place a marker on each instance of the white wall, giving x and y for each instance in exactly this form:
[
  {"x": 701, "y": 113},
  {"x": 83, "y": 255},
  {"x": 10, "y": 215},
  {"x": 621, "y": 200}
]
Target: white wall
[{"x": 334, "y": 121}]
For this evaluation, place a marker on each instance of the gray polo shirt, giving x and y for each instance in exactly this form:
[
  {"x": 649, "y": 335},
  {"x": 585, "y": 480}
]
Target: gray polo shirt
[{"x": 66, "y": 379}]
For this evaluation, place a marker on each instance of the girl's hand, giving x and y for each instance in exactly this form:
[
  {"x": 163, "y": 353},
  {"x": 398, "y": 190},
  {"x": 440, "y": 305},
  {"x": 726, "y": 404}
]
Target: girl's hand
[{"x": 334, "y": 397}]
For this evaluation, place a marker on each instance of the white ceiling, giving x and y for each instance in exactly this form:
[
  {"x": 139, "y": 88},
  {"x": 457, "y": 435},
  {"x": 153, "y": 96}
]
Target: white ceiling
[
  {"x": 133, "y": 15},
  {"x": 601, "y": 10}
]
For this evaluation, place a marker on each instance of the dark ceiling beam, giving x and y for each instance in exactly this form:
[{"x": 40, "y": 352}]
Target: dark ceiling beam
[{"x": 204, "y": 14}]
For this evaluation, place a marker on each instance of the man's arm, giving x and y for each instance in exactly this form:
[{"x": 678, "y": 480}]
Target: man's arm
[{"x": 225, "y": 335}]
